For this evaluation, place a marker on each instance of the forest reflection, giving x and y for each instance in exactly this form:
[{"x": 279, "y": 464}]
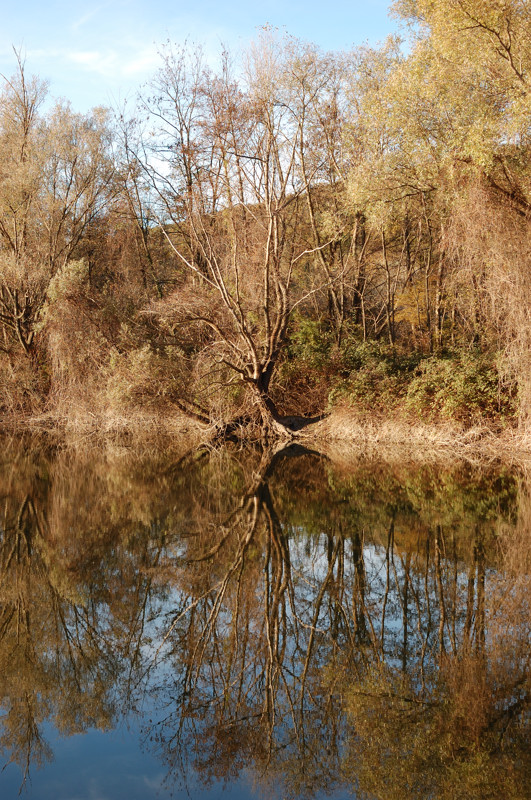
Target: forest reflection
[{"x": 274, "y": 615}]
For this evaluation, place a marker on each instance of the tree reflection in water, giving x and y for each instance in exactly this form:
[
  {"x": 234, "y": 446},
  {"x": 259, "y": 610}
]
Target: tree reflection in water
[{"x": 308, "y": 627}]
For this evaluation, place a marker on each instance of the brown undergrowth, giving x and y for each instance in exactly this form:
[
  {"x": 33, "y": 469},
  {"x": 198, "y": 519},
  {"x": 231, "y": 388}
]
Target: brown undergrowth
[{"x": 342, "y": 436}]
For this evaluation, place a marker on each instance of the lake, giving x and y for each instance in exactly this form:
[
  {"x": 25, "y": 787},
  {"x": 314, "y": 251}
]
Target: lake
[{"x": 244, "y": 624}]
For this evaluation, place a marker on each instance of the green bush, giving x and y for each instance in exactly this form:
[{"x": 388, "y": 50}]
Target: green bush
[
  {"x": 310, "y": 342},
  {"x": 464, "y": 386},
  {"x": 373, "y": 376}
]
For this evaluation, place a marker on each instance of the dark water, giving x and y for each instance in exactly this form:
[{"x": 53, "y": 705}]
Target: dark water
[{"x": 244, "y": 625}]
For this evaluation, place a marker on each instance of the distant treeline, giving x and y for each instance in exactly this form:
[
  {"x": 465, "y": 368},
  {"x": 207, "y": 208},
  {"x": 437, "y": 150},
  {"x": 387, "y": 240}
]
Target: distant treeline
[{"x": 291, "y": 230}]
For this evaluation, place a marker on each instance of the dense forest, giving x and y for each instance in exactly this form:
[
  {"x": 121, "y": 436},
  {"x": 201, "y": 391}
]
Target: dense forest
[{"x": 290, "y": 232}]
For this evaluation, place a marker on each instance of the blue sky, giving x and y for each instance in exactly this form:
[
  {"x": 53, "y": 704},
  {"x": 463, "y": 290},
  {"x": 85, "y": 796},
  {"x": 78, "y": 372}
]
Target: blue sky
[{"x": 100, "y": 52}]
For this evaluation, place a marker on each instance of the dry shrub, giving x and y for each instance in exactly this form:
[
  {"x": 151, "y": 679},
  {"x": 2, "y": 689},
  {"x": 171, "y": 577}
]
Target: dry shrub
[
  {"x": 143, "y": 377},
  {"x": 78, "y": 354},
  {"x": 22, "y": 383},
  {"x": 490, "y": 244}
]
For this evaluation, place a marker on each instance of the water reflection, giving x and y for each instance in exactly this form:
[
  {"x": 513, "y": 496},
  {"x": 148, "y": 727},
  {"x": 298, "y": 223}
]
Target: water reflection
[{"x": 267, "y": 616}]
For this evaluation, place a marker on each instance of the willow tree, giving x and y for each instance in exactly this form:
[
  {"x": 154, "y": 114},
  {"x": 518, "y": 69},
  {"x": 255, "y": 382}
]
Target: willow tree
[
  {"x": 56, "y": 176},
  {"x": 443, "y": 137},
  {"x": 479, "y": 56},
  {"x": 21, "y": 170},
  {"x": 228, "y": 164},
  {"x": 402, "y": 179}
]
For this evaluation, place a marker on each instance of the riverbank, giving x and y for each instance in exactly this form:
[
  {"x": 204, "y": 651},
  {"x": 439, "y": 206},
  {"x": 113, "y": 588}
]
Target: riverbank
[{"x": 341, "y": 435}]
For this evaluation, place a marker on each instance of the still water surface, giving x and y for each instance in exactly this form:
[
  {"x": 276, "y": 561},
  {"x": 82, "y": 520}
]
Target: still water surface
[{"x": 244, "y": 625}]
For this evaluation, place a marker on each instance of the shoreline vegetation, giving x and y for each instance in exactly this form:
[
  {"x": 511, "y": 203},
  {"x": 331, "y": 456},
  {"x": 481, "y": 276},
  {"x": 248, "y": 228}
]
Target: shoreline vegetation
[
  {"x": 330, "y": 248},
  {"x": 341, "y": 437}
]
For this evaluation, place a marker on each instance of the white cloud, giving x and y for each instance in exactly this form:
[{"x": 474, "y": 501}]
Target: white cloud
[
  {"x": 146, "y": 60},
  {"x": 94, "y": 61},
  {"x": 129, "y": 62}
]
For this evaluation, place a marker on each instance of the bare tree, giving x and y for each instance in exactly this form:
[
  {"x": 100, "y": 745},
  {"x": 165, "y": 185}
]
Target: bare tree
[{"x": 227, "y": 161}]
